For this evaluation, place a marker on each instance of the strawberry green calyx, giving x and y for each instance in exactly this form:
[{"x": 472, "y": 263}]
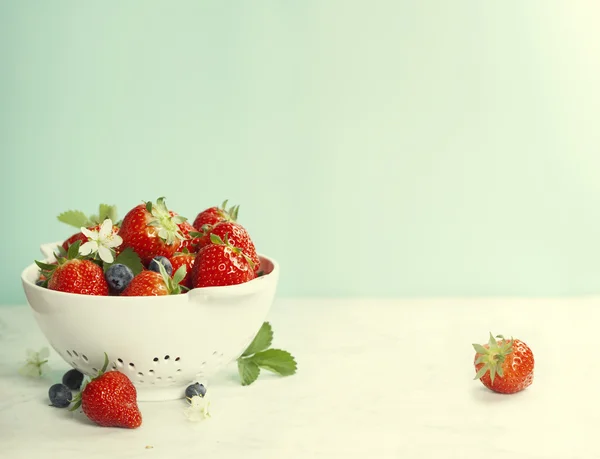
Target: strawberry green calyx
[
  {"x": 166, "y": 224},
  {"x": 47, "y": 269},
  {"x": 172, "y": 283},
  {"x": 230, "y": 214},
  {"x": 77, "y": 399},
  {"x": 492, "y": 356},
  {"x": 217, "y": 240}
]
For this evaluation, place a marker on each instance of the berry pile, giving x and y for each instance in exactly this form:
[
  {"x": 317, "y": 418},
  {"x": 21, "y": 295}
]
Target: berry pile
[{"x": 152, "y": 251}]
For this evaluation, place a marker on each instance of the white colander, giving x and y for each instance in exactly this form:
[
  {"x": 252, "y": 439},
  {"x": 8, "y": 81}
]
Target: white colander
[{"x": 161, "y": 343}]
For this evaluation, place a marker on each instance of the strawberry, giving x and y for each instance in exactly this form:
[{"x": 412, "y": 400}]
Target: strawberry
[
  {"x": 150, "y": 230},
  {"x": 504, "y": 366},
  {"x": 188, "y": 231},
  {"x": 151, "y": 283},
  {"x": 110, "y": 400},
  {"x": 220, "y": 264},
  {"x": 214, "y": 215},
  {"x": 184, "y": 258},
  {"x": 72, "y": 274},
  {"x": 238, "y": 237}
]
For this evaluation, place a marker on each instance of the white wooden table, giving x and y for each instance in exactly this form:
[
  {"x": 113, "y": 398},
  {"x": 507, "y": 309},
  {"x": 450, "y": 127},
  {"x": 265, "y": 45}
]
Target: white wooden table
[{"x": 376, "y": 379}]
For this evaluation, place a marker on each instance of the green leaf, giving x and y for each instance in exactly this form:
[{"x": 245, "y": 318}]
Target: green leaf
[
  {"x": 129, "y": 258},
  {"x": 216, "y": 239},
  {"x": 45, "y": 266},
  {"x": 73, "y": 251},
  {"x": 276, "y": 360},
  {"x": 60, "y": 251},
  {"x": 105, "y": 211},
  {"x": 248, "y": 371},
  {"x": 483, "y": 370},
  {"x": 261, "y": 341},
  {"x": 74, "y": 218},
  {"x": 195, "y": 234},
  {"x": 149, "y": 206},
  {"x": 179, "y": 274},
  {"x": 480, "y": 349}
]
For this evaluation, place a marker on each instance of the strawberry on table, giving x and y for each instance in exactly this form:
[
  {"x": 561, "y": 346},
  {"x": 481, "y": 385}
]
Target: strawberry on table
[
  {"x": 184, "y": 258},
  {"x": 214, "y": 215},
  {"x": 110, "y": 400},
  {"x": 220, "y": 264},
  {"x": 73, "y": 274},
  {"x": 504, "y": 365},
  {"x": 150, "y": 230},
  {"x": 151, "y": 283},
  {"x": 237, "y": 236}
]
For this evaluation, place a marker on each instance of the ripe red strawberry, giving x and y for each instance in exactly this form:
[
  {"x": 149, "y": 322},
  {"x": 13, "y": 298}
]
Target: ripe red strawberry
[
  {"x": 151, "y": 283},
  {"x": 220, "y": 264},
  {"x": 110, "y": 400},
  {"x": 237, "y": 236},
  {"x": 184, "y": 258},
  {"x": 150, "y": 230},
  {"x": 189, "y": 242},
  {"x": 504, "y": 365},
  {"x": 214, "y": 215},
  {"x": 73, "y": 274},
  {"x": 79, "y": 276},
  {"x": 83, "y": 238}
]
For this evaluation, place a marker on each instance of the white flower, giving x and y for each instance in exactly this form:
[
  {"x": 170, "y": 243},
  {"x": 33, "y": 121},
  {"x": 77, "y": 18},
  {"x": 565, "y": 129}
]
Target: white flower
[
  {"x": 101, "y": 242},
  {"x": 34, "y": 365},
  {"x": 198, "y": 408}
]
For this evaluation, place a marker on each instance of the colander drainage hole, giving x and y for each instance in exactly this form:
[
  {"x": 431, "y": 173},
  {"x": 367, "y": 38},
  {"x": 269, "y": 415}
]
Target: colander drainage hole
[
  {"x": 158, "y": 377},
  {"x": 155, "y": 359},
  {"x": 167, "y": 357},
  {"x": 95, "y": 370},
  {"x": 131, "y": 366},
  {"x": 169, "y": 377},
  {"x": 69, "y": 352},
  {"x": 140, "y": 373},
  {"x": 177, "y": 359},
  {"x": 178, "y": 370},
  {"x": 84, "y": 357},
  {"x": 150, "y": 371},
  {"x": 75, "y": 354}
]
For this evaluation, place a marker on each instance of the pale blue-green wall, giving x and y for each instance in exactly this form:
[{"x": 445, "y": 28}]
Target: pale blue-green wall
[{"x": 377, "y": 148}]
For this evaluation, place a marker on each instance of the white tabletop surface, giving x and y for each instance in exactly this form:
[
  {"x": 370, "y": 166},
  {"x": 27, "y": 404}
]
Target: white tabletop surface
[{"x": 376, "y": 379}]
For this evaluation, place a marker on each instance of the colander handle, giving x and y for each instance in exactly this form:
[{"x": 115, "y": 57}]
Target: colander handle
[
  {"x": 234, "y": 291},
  {"x": 48, "y": 250}
]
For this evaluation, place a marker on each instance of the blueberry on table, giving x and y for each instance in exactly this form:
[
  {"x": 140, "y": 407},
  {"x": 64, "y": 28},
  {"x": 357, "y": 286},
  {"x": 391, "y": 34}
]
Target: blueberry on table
[
  {"x": 73, "y": 379},
  {"x": 60, "y": 395},
  {"x": 118, "y": 277},
  {"x": 195, "y": 389},
  {"x": 153, "y": 266}
]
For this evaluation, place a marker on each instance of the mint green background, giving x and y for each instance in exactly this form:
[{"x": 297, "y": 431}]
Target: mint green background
[{"x": 385, "y": 148}]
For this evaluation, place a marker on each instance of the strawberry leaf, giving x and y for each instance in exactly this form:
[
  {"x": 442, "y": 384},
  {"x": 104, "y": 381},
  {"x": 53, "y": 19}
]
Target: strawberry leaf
[
  {"x": 248, "y": 371},
  {"x": 276, "y": 360},
  {"x": 74, "y": 218},
  {"x": 261, "y": 341},
  {"x": 129, "y": 258},
  {"x": 105, "y": 211},
  {"x": 216, "y": 239}
]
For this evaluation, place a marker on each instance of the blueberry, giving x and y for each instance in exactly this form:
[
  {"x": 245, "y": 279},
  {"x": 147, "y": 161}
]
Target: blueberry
[
  {"x": 60, "y": 395},
  {"x": 153, "y": 266},
  {"x": 73, "y": 379},
  {"x": 195, "y": 389},
  {"x": 118, "y": 277}
]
